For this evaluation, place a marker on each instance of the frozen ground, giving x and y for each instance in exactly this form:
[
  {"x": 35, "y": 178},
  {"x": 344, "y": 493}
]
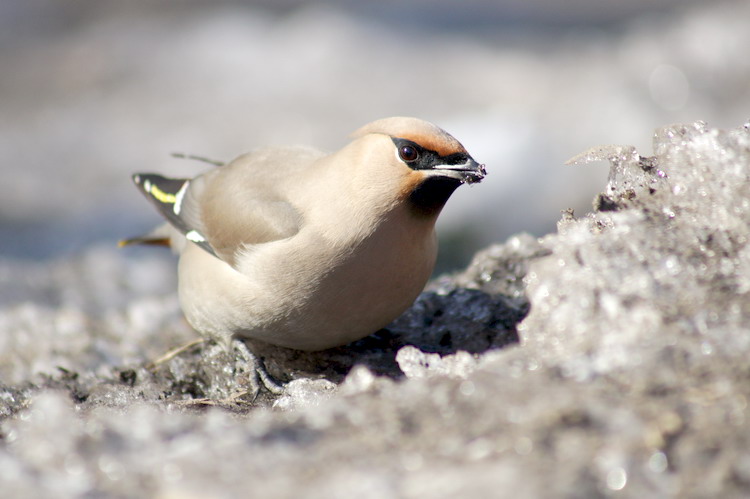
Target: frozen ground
[
  {"x": 608, "y": 357},
  {"x": 630, "y": 378}
]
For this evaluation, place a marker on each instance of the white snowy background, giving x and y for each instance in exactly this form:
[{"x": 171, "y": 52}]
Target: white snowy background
[{"x": 93, "y": 91}]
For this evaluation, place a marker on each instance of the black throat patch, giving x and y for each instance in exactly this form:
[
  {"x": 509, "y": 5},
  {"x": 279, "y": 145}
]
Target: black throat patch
[{"x": 429, "y": 197}]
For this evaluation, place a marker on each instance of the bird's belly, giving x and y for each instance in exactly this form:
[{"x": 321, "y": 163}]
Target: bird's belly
[
  {"x": 363, "y": 294},
  {"x": 314, "y": 301}
]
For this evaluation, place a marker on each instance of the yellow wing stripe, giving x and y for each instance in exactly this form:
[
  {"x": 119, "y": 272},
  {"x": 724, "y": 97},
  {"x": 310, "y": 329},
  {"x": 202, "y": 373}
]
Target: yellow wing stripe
[{"x": 163, "y": 197}]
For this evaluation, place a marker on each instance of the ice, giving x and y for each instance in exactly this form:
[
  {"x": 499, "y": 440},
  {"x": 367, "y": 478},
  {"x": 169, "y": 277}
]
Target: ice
[
  {"x": 672, "y": 241},
  {"x": 417, "y": 364},
  {"x": 629, "y": 378},
  {"x": 608, "y": 357}
]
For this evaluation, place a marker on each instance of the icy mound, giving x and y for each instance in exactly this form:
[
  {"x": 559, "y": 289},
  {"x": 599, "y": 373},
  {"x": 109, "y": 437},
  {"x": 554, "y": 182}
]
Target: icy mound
[{"x": 667, "y": 250}]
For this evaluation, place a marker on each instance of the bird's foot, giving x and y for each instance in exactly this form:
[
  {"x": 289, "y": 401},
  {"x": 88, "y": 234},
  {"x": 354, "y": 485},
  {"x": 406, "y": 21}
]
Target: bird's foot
[
  {"x": 261, "y": 377},
  {"x": 243, "y": 383}
]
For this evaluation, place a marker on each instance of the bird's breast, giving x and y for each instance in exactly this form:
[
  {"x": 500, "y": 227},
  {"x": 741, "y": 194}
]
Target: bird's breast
[
  {"x": 370, "y": 284},
  {"x": 309, "y": 293}
]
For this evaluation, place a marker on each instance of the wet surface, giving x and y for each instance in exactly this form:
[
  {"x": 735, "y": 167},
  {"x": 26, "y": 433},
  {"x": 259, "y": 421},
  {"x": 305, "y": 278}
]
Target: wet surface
[{"x": 630, "y": 376}]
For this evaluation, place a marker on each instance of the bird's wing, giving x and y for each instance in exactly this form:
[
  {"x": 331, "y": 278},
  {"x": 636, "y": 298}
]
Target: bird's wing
[
  {"x": 222, "y": 211},
  {"x": 168, "y": 195}
]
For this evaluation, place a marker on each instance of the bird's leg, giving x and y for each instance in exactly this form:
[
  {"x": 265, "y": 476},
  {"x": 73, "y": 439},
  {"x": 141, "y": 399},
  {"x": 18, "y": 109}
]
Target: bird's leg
[
  {"x": 258, "y": 376},
  {"x": 262, "y": 378}
]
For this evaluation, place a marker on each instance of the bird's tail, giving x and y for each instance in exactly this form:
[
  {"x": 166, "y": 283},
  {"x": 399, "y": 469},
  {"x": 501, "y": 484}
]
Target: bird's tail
[
  {"x": 159, "y": 236},
  {"x": 152, "y": 241}
]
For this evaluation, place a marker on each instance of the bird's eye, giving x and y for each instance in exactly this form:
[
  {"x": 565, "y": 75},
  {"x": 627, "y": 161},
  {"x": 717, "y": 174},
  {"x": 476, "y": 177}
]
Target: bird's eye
[{"x": 408, "y": 153}]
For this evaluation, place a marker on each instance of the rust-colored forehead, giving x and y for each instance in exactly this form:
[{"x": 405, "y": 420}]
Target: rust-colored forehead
[
  {"x": 422, "y": 132},
  {"x": 443, "y": 144}
]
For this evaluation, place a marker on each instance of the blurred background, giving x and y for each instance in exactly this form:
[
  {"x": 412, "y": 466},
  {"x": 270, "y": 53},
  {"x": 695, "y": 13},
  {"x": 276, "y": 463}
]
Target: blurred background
[{"x": 92, "y": 91}]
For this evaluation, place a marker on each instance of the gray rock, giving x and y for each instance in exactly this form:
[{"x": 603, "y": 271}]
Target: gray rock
[{"x": 630, "y": 377}]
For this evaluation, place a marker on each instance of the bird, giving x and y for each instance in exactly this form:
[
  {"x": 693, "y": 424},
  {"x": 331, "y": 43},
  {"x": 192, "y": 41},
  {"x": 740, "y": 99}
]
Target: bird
[{"x": 309, "y": 250}]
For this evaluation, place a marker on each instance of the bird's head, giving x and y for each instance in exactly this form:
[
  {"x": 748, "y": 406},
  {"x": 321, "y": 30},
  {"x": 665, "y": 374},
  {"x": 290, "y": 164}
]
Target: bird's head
[{"x": 426, "y": 163}]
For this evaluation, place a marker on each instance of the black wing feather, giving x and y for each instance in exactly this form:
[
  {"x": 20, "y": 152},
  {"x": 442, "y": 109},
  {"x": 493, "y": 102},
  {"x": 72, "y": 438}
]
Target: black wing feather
[{"x": 165, "y": 194}]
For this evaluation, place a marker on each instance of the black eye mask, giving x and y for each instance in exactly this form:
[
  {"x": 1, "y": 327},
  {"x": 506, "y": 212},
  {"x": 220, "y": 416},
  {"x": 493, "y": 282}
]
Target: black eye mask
[{"x": 417, "y": 157}]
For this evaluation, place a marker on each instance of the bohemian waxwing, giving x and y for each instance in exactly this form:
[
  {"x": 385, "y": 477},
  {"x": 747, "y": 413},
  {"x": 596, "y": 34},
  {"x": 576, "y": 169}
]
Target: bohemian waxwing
[{"x": 308, "y": 250}]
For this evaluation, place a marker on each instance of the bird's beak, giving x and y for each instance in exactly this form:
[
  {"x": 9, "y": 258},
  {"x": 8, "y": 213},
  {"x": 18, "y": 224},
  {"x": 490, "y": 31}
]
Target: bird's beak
[{"x": 469, "y": 172}]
